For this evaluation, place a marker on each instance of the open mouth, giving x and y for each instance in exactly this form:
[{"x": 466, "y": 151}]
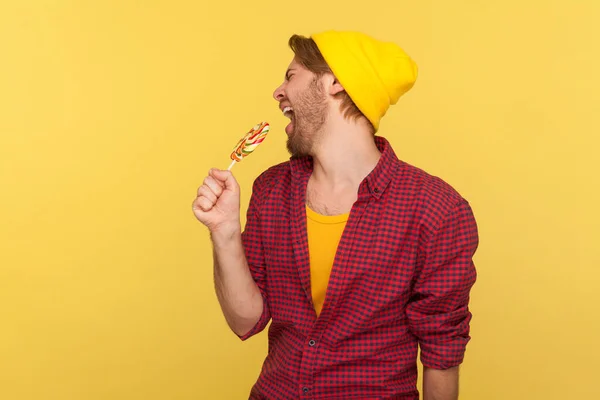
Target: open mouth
[{"x": 289, "y": 112}]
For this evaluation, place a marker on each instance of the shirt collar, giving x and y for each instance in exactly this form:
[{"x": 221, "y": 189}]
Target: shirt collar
[{"x": 375, "y": 183}]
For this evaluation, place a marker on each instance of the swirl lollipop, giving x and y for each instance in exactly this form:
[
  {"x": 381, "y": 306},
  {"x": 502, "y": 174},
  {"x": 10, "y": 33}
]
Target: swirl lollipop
[{"x": 249, "y": 142}]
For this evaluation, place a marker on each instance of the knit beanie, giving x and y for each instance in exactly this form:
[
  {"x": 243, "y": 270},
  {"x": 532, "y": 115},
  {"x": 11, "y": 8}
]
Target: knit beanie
[{"x": 373, "y": 73}]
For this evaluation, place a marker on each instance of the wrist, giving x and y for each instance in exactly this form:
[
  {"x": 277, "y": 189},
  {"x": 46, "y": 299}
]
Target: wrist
[{"x": 226, "y": 234}]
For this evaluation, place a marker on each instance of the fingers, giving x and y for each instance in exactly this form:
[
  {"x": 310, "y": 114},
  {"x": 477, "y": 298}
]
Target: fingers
[
  {"x": 208, "y": 194},
  {"x": 206, "y": 191},
  {"x": 212, "y": 188},
  {"x": 212, "y": 185},
  {"x": 203, "y": 203},
  {"x": 225, "y": 178}
]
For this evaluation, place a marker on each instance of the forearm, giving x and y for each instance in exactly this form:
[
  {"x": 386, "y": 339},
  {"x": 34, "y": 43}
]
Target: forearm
[
  {"x": 440, "y": 384},
  {"x": 238, "y": 294}
]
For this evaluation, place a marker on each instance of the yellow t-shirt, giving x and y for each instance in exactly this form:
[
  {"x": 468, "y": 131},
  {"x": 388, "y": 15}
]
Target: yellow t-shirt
[{"x": 324, "y": 234}]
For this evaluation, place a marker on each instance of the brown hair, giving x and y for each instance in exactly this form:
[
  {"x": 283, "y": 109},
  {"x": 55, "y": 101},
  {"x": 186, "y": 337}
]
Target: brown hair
[{"x": 310, "y": 57}]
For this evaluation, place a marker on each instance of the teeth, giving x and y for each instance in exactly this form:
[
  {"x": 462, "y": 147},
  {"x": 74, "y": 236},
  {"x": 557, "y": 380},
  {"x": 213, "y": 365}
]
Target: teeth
[{"x": 287, "y": 110}]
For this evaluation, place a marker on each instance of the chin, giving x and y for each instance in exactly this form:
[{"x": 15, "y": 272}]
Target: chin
[{"x": 297, "y": 150}]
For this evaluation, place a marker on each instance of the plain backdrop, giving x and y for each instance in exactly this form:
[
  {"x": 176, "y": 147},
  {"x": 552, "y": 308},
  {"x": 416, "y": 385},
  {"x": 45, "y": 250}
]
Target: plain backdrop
[{"x": 112, "y": 112}]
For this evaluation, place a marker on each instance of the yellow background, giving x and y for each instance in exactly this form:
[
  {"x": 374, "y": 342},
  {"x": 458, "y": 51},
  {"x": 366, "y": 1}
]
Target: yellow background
[{"x": 111, "y": 113}]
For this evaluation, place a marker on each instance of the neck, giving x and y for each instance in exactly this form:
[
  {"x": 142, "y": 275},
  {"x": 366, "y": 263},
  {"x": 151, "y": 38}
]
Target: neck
[{"x": 346, "y": 153}]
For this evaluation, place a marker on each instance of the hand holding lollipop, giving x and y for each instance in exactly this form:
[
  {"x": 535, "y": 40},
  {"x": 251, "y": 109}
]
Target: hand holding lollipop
[
  {"x": 249, "y": 142},
  {"x": 218, "y": 199}
]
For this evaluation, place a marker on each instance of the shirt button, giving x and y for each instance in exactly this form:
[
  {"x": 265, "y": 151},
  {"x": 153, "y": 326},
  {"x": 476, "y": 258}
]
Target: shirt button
[
  {"x": 311, "y": 343},
  {"x": 305, "y": 389},
  {"x": 376, "y": 190}
]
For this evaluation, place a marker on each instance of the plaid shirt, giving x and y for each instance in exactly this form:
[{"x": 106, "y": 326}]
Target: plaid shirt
[{"x": 401, "y": 278}]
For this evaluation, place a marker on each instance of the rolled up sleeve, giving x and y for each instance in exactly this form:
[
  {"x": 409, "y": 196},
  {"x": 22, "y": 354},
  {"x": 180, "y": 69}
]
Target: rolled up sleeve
[
  {"x": 438, "y": 312},
  {"x": 253, "y": 249}
]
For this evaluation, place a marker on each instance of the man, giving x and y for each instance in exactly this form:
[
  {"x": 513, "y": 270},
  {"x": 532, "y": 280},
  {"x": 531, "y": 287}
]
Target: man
[{"x": 356, "y": 257}]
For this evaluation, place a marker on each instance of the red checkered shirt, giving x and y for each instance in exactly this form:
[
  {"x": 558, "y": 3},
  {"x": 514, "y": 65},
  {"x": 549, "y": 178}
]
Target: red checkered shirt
[{"x": 401, "y": 278}]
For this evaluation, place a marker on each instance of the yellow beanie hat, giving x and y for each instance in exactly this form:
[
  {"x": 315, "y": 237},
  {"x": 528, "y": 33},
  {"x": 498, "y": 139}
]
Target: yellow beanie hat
[{"x": 374, "y": 74}]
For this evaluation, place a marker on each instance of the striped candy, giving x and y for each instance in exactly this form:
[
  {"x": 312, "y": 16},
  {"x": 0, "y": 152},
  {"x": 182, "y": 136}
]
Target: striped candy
[{"x": 249, "y": 142}]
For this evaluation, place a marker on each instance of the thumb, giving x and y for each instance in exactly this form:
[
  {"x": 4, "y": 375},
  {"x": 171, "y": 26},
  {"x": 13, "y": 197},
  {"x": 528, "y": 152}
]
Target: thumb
[{"x": 225, "y": 178}]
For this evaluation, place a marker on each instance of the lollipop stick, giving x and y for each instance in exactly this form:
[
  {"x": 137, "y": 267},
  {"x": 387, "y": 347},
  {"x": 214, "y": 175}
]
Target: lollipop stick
[{"x": 231, "y": 165}]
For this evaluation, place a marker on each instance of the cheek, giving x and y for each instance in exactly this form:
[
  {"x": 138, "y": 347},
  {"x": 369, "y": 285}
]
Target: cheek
[{"x": 290, "y": 92}]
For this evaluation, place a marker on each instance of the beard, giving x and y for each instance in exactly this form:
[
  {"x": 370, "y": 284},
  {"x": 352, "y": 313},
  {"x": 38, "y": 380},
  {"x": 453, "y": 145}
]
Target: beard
[{"x": 310, "y": 114}]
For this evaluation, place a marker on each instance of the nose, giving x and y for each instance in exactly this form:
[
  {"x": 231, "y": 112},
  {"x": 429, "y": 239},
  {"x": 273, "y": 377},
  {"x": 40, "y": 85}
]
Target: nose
[{"x": 278, "y": 93}]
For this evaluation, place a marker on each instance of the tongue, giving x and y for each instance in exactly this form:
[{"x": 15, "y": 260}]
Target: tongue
[{"x": 289, "y": 128}]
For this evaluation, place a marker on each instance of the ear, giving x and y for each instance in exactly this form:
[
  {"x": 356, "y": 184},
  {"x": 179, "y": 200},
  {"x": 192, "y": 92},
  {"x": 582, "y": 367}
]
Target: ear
[
  {"x": 336, "y": 87},
  {"x": 331, "y": 84}
]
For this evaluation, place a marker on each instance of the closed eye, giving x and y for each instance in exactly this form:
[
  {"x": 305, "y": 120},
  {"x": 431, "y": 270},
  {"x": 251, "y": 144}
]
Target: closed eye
[{"x": 289, "y": 73}]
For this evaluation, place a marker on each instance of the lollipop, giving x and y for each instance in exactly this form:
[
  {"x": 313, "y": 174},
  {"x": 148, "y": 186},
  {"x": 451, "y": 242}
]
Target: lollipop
[{"x": 249, "y": 142}]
